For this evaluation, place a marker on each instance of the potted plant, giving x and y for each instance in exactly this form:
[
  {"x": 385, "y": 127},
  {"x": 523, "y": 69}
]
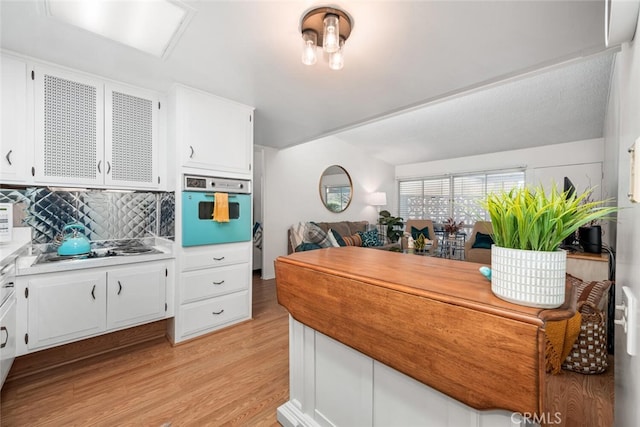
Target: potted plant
[
  {"x": 394, "y": 225},
  {"x": 529, "y": 225},
  {"x": 451, "y": 227}
]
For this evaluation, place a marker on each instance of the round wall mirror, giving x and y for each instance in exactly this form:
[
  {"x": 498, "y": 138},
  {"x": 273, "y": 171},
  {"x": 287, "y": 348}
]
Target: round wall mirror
[{"x": 336, "y": 188}]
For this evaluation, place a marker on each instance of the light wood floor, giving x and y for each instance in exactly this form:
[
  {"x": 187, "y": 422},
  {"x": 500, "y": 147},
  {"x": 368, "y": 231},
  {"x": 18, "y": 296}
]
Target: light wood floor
[{"x": 237, "y": 376}]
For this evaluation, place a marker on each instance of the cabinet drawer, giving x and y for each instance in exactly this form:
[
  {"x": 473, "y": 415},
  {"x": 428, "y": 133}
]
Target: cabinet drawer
[
  {"x": 214, "y": 312},
  {"x": 216, "y": 255},
  {"x": 212, "y": 282}
]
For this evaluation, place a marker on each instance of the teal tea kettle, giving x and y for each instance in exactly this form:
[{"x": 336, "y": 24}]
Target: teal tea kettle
[{"x": 74, "y": 242}]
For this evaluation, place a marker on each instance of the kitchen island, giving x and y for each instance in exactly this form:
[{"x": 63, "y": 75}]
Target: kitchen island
[{"x": 384, "y": 338}]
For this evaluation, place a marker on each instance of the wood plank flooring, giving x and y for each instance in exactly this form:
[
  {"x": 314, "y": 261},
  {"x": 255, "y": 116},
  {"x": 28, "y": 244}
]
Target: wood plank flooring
[{"x": 237, "y": 376}]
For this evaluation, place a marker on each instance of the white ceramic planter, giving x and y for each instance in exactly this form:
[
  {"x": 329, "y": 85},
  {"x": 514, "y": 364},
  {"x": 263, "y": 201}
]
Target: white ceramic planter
[{"x": 531, "y": 278}]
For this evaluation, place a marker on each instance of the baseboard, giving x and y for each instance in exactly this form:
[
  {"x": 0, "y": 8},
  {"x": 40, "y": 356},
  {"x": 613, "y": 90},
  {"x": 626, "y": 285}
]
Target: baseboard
[{"x": 290, "y": 416}]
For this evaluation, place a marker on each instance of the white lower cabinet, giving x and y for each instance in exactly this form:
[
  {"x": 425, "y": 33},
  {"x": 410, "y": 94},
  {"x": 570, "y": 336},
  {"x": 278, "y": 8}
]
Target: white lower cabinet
[
  {"x": 331, "y": 384},
  {"x": 63, "y": 307},
  {"x": 214, "y": 289},
  {"x": 58, "y": 308},
  {"x": 136, "y": 295},
  {"x": 7, "y": 337}
]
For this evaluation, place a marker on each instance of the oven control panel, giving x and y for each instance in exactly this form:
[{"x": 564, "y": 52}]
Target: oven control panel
[{"x": 213, "y": 184}]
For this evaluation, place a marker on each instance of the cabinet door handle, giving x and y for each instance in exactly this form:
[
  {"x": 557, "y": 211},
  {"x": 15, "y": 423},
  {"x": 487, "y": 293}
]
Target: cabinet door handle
[
  {"x": 6, "y": 331},
  {"x": 8, "y": 157},
  {"x": 218, "y": 283},
  {"x": 119, "y": 287},
  {"x": 93, "y": 292},
  {"x": 99, "y": 164},
  {"x": 8, "y": 285},
  {"x": 218, "y": 259},
  {"x": 108, "y": 168},
  {"x": 192, "y": 152},
  {"x": 217, "y": 312}
]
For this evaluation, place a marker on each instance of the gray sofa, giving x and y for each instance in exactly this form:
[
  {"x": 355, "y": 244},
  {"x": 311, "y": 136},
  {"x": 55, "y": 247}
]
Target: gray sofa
[{"x": 346, "y": 229}]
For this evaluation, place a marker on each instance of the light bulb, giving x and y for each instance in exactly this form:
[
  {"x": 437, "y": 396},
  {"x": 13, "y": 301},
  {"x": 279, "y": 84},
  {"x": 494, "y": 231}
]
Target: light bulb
[
  {"x": 309, "y": 41},
  {"x": 331, "y": 35},
  {"x": 336, "y": 59}
]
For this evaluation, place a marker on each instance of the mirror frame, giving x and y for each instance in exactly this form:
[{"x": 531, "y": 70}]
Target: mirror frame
[{"x": 322, "y": 198}]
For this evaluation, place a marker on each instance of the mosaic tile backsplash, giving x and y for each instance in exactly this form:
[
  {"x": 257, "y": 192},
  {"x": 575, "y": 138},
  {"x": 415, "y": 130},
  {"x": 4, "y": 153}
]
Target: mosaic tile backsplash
[{"x": 105, "y": 215}]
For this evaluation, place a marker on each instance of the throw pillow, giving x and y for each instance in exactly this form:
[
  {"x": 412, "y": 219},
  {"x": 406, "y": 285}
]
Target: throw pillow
[
  {"x": 314, "y": 234},
  {"x": 306, "y": 246},
  {"x": 332, "y": 239},
  {"x": 297, "y": 234},
  {"x": 338, "y": 237},
  {"x": 416, "y": 232},
  {"x": 354, "y": 240},
  {"x": 482, "y": 241},
  {"x": 594, "y": 292},
  {"x": 369, "y": 238}
]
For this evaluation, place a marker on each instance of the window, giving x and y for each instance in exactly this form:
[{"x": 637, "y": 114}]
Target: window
[
  {"x": 337, "y": 197},
  {"x": 455, "y": 196}
]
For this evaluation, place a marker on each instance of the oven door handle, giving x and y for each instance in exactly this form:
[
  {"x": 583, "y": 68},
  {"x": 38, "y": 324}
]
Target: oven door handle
[{"x": 213, "y": 195}]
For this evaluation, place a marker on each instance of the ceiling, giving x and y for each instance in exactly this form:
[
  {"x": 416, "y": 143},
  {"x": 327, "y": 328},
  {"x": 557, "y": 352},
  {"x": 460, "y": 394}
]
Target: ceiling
[{"x": 464, "y": 75}]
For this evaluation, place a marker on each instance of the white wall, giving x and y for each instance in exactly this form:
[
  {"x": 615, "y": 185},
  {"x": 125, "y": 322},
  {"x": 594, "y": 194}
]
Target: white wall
[
  {"x": 539, "y": 158},
  {"x": 622, "y": 129},
  {"x": 291, "y": 193}
]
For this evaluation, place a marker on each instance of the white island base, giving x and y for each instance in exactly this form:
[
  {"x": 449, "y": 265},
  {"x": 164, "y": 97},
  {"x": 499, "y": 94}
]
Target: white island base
[{"x": 332, "y": 384}]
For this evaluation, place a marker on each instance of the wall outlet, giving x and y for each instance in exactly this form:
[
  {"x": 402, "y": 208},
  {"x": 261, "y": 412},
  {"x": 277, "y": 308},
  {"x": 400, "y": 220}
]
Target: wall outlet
[{"x": 629, "y": 319}]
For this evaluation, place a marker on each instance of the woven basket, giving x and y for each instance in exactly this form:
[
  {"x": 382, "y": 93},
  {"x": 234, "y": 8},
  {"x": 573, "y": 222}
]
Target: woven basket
[
  {"x": 589, "y": 352},
  {"x": 531, "y": 278}
]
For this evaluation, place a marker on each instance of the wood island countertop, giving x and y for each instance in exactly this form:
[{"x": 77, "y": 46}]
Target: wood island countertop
[{"x": 433, "y": 319}]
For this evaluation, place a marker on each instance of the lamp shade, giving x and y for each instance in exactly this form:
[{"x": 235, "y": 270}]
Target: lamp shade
[{"x": 378, "y": 199}]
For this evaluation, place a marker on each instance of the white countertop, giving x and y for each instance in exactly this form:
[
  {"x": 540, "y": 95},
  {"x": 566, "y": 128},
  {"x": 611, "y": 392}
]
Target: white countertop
[
  {"x": 9, "y": 250},
  {"x": 25, "y": 262}
]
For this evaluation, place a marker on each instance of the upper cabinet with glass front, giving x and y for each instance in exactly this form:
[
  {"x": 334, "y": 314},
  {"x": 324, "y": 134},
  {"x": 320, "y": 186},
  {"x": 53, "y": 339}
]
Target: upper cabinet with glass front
[
  {"x": 212, "y": 133},
  {"x": 92, "y": 133}
]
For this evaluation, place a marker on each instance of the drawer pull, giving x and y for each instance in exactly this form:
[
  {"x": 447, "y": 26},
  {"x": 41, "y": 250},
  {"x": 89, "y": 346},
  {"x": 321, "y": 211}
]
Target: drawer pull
[
  {"x": 93, "y": 292},
  {"x": 4, "y": 329},
  {"x": 217, "y": 312},
  {"x": 218, "y": 283},
  {"x": 8, "y": 285},
  {"x": 218, "y": 259},
  {"x": 119, "y": 287}
]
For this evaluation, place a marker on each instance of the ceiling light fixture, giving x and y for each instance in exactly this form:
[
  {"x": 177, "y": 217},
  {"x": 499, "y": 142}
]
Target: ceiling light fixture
[{"x": 328, "y": 27}]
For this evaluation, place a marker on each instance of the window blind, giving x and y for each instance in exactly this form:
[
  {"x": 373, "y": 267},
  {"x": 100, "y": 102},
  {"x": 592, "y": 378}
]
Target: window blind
[{"x": 455, "y": 196}]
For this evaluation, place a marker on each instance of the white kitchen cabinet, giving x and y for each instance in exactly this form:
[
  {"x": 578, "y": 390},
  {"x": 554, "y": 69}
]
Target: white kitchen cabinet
[
  {"x": 58, "y": 308},
  {"x": 64, "y": 307},
  {"x": 93, "y": 133},
  {"x": 131, "y": 138},
  {"x": 214, "y": 289},
  {"x": 332, "y": 384},
  {"x": 13, "y": 138},
  {"x": 212, "y": 133},
  {"x": 7, "y": 337},
  {"x": 136, "y": 295}
]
